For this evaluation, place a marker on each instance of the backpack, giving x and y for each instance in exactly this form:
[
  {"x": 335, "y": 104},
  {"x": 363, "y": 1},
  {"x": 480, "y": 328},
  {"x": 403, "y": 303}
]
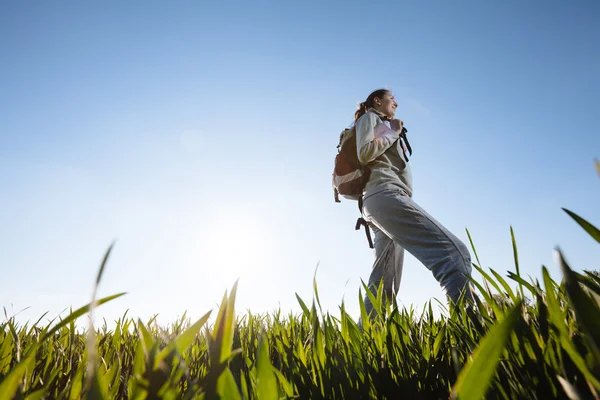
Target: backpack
[{"x": 349, "y": 176}]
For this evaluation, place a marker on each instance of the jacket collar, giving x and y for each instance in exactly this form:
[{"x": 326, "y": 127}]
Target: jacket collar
[{"x": 380, "y": 115}]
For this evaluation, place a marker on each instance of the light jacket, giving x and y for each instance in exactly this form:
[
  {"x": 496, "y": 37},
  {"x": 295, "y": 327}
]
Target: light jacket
[{"x": 379, "y": 147}]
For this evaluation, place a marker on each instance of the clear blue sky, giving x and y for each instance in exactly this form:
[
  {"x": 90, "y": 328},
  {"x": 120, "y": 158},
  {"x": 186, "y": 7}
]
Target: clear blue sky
[{"x": 201, "y": 135}]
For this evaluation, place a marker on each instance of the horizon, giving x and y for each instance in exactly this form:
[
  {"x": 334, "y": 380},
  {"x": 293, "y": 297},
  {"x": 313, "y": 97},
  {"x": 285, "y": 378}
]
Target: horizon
[{"x": 200, "y": 140}]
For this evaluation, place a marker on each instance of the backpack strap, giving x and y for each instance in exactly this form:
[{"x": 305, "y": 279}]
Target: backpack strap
[
  {"x": 403, "y": 137},
  {"x": 362, "y": 222}
]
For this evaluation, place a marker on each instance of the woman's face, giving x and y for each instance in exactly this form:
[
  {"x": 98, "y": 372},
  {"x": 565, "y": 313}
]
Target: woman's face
[{"x": 386, "y": 105}]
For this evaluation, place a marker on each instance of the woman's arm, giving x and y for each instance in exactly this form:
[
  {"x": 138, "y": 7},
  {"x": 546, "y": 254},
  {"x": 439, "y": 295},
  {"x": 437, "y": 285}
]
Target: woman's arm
[{"x": 371, "y": 140}]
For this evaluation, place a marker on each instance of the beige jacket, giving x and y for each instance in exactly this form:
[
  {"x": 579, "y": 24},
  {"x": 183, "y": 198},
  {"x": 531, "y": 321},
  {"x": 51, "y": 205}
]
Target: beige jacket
[{"x": 378, "y": 146}]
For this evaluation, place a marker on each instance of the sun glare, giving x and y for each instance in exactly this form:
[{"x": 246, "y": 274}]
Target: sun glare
[{"x": 235, "y": 245}]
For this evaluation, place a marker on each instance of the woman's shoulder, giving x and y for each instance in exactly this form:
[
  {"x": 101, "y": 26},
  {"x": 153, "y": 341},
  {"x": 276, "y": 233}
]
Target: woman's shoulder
[
  {"x": 369, "y": 116},
  {"x": 370, "y": 119}
]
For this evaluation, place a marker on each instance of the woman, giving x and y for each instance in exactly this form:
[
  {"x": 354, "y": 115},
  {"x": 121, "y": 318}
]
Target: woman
[{"x": 398, "y": 223}]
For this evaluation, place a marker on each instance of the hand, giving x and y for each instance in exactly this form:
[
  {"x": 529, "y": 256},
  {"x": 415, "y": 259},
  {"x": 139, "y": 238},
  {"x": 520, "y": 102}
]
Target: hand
[{"x": 396, "y": 124}]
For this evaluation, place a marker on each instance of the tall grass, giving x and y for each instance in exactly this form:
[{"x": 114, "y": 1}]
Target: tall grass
[{"x": 539, "y": 342}]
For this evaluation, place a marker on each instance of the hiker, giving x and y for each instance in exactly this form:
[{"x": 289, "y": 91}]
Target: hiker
[{"x": 387, "y": 207}]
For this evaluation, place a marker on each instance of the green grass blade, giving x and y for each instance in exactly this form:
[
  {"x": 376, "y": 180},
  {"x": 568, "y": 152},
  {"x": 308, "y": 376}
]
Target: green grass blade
[
  {"x": 586, "y": 280},
  {"x": 316, "y": 291},
  {"x": 40, "y": 318},
  {"x": 364, "y": 318},
  {"x": 145, "y": 338},
  {"x": 439, "y": 340},
  {"x": 94, "y": 380},
  {"x": 571, "y": 350},
  {"x": 505, "y": 285},
  {"x": 488, "y": 278},
  {"x": 516, "y": 256},
  {"x": 6, "y": 353},
  {"x": 476, "y": 377},
  {"x": 303, "y": 306},
  {"x": 589, "y": 228},
  {"x": 287, "y": 386},
  {"x": 183, "y": 341},
  {"x": 37, "y": 395},
  {"x": 267, "y": 388},
  {"x": 557, "y": 318},
  {"x": 518, "y": 279},
  {"x": 473, "y": 247},
  {"x": 224, "y": 327},
  {"x": 10, "y": 383},
  {"x": 98, "y": 389},
  {"x": 555, "y": 314},
  {"x": 229, "y": 323},
  {"x": 78, "y": 313},
  {"x": 373, "y": 298},
  {"x": 103, "y": 265},
  {"x": 76, "y": 385},
  {"x": 586, "y": 310},
  {"x": 226, "y": 386}
]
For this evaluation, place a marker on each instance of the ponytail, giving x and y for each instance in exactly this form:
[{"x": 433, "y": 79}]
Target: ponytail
[
  {"x": 362, "y": 109},
  {"x": 368, "y": 103}
]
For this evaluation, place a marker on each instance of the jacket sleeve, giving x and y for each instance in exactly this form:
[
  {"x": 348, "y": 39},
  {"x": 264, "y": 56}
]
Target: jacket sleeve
[{"x": 372, "y": 140}]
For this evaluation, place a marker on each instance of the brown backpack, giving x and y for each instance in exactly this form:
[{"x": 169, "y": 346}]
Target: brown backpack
[{"x": 349, "y": 177}]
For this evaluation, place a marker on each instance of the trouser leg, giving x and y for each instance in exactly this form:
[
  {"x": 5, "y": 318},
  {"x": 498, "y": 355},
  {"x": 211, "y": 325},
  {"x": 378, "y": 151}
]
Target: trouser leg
[
  {"x": 387, "y": 267},
  {"x": 402, "y": 220}
]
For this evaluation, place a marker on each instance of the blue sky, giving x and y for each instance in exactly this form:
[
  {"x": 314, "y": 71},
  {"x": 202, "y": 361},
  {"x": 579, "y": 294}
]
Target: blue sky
[{"x": 201, "y": 135}]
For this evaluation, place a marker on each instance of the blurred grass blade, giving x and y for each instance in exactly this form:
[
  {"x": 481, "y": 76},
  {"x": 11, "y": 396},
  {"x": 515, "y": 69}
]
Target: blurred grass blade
[
  {"x": 475, "y": 378},
  {"x": 569, "y": 389},
  {"x": 37, "y": 395},
  {"x": 586, "y": 310},
  {"x": 589, "y": 228},
  {"x": 103, "y": 265},
  {"x": 267, "y": 388},
  {"x": 556, "y": 316},
  {"x": 10, "y": 383},
  {"x": 586, "y": 280},
  {"x": 96, "y": 387}
]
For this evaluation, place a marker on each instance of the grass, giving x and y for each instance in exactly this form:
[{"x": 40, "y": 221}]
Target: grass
[
  {"x": 541, "y": 341},
  {"x": 542, "y": 346}
]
